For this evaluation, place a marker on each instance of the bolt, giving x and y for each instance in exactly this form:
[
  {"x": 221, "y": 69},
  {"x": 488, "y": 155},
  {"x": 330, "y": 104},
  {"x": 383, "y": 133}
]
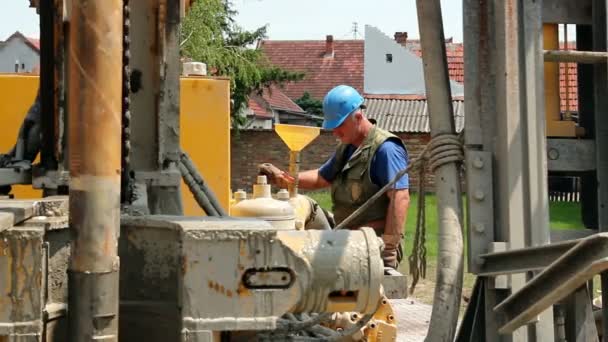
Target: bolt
[
  {"x": 478, "y": 162},
  {"x": 553, "y": 154},
  {"x": 480, "y": 195},
  {"x": 479, "y": 227},
  {"x": 354, "y": 317},
  {"x": 391, "y": 318}
]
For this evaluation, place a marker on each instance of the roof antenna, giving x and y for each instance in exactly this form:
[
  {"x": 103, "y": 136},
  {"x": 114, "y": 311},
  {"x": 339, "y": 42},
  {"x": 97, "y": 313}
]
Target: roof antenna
[{"x": 355, "y": 30}]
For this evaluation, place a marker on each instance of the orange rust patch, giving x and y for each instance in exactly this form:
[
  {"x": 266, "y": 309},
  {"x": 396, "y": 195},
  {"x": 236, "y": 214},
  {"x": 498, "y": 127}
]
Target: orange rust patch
[
  {"x": 220, "y": 288},
  {"x": 242, "y": 291},
  {"x": 184, "y": 264}
]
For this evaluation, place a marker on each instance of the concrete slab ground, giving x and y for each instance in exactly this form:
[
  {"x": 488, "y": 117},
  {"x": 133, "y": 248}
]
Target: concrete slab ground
[{"x": 413, "y": 319}]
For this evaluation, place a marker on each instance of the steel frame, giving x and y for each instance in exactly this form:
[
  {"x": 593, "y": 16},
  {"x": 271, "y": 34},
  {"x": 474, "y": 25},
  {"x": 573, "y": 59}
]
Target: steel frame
[{"x": 507, "y": 166}]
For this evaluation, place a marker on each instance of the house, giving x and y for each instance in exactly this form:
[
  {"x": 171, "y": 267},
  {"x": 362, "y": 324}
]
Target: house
[
  {"x": 391, "y": 67},
  {"x": 362, "y": 64},
  {"x": 19, "y": 53},
  {"x": 273, "y": 106}
]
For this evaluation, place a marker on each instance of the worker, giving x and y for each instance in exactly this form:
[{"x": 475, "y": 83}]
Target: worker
[{"x": 367, "y": 159}]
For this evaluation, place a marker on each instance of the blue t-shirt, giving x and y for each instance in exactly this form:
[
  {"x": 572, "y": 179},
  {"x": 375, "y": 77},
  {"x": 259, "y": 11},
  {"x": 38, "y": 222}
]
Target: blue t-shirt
[{"x": 390, "y": 158}]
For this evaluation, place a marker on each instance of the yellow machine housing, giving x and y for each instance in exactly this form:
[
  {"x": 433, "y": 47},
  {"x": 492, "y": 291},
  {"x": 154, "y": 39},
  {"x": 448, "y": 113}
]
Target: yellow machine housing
[{"x": 205, "y": 130}]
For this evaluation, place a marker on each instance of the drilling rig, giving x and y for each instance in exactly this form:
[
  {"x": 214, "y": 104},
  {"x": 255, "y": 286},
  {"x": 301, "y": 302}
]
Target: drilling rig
[{"x": 106, "y": 253}]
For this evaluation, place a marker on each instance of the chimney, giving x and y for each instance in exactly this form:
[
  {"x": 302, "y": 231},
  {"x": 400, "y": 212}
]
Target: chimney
[
  {"x": 329, "y": 46},
  {"x": 401, "y": 38}
]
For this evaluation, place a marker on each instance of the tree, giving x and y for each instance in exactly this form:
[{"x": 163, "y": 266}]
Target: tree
[
  {"x": 210, "y": 35},
  {"x": 310, "y": 104}
]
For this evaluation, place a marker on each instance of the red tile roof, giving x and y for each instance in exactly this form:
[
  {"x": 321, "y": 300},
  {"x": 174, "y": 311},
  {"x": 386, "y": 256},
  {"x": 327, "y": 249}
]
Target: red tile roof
[
  {"x": 455, "y": 55},
  {"x": 346, "y": 67},
  {"x": 272, "y": 99},
  {"x": 34, "y": 42},
  {"x": 322, "y": 73},
  {"x": 258, "y": 109},
  {"x": 277, "y": 99}
]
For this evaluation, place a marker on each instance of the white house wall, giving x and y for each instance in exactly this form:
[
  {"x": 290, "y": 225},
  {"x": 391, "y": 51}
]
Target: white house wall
[
  {"x": 404, "y": 75},
  {"x": 17, "y": 51}
]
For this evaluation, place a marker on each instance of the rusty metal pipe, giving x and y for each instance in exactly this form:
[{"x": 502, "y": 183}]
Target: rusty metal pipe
[{"x": 94, "y": 99}]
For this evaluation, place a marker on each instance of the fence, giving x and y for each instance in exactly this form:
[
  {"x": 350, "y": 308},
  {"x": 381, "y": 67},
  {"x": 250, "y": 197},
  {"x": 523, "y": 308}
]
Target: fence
[{"x": 564, "y": 189}]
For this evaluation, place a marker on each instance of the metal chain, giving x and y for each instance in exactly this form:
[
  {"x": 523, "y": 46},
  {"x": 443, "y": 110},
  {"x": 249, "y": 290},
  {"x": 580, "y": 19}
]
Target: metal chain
[{"x": 126, "y": 191}]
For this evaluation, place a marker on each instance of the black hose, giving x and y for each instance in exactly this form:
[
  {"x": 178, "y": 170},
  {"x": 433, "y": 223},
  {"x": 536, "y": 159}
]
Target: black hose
[
  {"x": 202, "y": 186},
  {"x": 200, "y": 197}
]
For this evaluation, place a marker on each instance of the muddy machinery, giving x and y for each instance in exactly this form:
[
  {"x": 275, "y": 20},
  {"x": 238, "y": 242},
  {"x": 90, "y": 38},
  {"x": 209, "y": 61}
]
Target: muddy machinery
[{"x": 106, "y": 253}]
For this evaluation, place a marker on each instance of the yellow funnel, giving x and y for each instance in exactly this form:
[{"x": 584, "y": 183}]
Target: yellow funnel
[{"x": 296, "y": 137}]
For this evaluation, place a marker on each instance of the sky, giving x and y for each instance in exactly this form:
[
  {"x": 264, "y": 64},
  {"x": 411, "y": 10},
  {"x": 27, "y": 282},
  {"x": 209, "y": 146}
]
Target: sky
[
  {"x": 290, "y": 19},
  {"x": 314, "y": 19}
]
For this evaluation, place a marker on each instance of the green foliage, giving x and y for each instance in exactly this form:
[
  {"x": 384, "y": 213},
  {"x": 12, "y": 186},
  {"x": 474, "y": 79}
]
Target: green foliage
[
  {"x": 210, "y": 35},
  {"x": 310, "y": 104}
]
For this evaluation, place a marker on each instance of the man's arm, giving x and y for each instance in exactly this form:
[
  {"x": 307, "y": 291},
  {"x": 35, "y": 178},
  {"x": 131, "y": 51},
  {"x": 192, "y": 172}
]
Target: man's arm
[
  {"x": 312, "y": 180},
  {"x": 396, "y": 214}
]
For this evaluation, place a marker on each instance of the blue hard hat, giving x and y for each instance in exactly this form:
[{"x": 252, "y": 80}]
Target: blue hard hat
[{"x": 338, "y": 104}]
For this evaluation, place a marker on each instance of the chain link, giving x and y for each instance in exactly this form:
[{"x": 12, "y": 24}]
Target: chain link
[{"x": 126, "y": 193}]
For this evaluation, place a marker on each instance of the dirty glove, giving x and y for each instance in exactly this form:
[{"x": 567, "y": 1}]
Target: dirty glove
[
  {"x": 391, "y": 254},
  {"x": 275, "y": 175}
]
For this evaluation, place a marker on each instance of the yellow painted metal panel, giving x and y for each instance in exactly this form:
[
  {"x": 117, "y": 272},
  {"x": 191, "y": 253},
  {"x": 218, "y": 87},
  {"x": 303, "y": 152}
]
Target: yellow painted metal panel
[
  {"x": 205, "y": 129},
  {"x": 17, "y": 93},
  {"x": 205, "y": 135}
]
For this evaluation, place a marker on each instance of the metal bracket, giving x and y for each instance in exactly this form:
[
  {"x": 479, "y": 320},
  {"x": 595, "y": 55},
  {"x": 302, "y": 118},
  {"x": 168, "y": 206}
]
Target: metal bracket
[
  {"x": 11, "y": 176},
  {"x": 586, "y": 259},
  {"x": 522, "y": 260},
  {"x": 43, "y": 179},
  {"x": 162, "y": 178},
  {"x": 480, "y": 205},
  {"x": 570, "y": 155}
]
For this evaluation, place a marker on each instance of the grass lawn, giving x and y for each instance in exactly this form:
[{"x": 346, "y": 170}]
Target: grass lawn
[{"x": 563, "y": 215}]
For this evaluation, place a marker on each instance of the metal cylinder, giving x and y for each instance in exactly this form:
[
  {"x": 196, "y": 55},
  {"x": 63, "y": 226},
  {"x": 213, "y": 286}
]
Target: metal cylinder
[
  {"x": 343, "y": 270},
  {"x": 94, "y": 100}
]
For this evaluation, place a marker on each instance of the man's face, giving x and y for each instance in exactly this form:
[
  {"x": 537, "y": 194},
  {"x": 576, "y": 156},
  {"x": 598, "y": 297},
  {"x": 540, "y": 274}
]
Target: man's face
[{"x": 347, "y": 131}]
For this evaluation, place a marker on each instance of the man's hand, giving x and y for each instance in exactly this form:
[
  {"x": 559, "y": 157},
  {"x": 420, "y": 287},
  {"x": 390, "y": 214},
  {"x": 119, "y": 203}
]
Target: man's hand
[
  {"x": 390, "y": 253},
  {"x": 275, "y": 175}
]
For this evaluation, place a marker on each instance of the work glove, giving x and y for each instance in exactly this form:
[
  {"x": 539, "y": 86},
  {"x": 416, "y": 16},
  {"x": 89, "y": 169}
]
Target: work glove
[
  {"x": 391, "y": 254},
  {"x": 275, "y": 176}
]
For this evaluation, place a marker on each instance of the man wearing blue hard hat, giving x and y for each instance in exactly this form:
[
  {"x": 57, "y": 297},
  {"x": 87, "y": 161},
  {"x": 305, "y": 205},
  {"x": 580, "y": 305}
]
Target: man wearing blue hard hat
[{"x": 367, "y": 159}]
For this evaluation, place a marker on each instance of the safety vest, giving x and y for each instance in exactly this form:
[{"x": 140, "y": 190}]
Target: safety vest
[{"x": 353, "y": 185}]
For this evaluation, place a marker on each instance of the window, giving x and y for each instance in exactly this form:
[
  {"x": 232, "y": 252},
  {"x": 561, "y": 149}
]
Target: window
[{"x": 389, "y": 58}]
